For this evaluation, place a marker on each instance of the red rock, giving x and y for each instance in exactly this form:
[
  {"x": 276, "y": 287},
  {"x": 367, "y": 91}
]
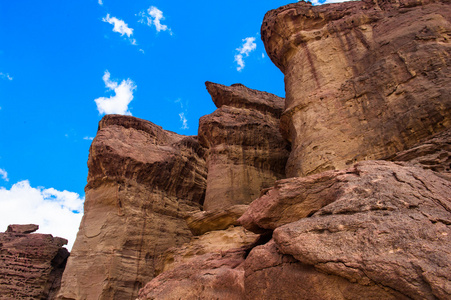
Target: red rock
[
  {"x": 388, "y": 226},
  {"x": 364, "y": 80},
  {"x": 246, "y": 152},
  {"x": 142, "y": 183},
  {"x": 31, "y": 265},
  {"x": 210, "y": 276},
  {"x": 272, "y": 275}
]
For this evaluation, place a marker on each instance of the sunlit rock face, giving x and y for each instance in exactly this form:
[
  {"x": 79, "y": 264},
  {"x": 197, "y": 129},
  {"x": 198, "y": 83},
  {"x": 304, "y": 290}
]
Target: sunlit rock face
[
  {"x": 246, "y": 151},
  {"x": 363, "y": 80},
  {"x": 31, "y": 264},
  {"x": 142, "y": 183}
]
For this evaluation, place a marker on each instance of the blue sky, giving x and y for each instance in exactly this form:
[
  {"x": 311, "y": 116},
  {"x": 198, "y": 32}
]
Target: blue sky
[{"x": 64, "y": 64}]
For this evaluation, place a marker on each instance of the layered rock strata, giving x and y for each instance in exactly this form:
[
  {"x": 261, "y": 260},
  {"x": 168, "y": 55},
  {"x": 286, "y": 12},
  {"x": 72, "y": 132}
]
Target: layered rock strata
[
  {"x": 31, "y": 265},
  {"x": 142, "y": 183},
  {"x": 246, "y": 152},
  {"x": 363, "y": 80}
]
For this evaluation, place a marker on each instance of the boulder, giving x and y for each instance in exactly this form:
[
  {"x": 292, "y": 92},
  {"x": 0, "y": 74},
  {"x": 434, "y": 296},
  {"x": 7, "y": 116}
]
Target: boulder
[{"x": 205, "y": 221}]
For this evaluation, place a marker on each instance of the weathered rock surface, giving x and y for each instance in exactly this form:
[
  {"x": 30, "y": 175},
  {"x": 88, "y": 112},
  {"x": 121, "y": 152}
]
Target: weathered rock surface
[
  {"x": 31, "y": 265},
  {"x": 209, "y": 276},
  {"x": 388, "y": 225},
  {"x": 270, "y": 274},
  {"x": 142, "y": 183},
  {"x": 433, "y": 154},
  {"x": 205, "y": 221},
  {"x": 218, "y": 241},
  {"x": 246, "y": 152},
  {"x": 363, "y": 80}
]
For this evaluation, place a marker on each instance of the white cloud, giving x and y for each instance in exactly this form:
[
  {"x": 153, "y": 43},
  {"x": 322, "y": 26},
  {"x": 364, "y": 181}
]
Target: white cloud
[
  {"x": 4, "y": 175},
  {"x": 100, "y": 2},
  {"x": 154, "y": 16},
  {"x": 56, "y": 212},
  {"x": 248, "y": 46},
  {"x": 184, "y": 121},
  {"x": 120, "y": 27},
  {"x": 117, "y": 104},
  {"x": 5, "y": 76},
  {"x": 88, "y": 138}
]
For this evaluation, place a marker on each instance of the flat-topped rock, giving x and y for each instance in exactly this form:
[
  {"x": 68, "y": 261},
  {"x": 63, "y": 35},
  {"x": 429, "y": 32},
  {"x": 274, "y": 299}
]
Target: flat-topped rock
[{"x": 18, "y": 228}]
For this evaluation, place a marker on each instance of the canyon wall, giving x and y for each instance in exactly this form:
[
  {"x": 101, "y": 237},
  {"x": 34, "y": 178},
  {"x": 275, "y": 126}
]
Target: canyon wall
[{"x": 363, "y": 80}]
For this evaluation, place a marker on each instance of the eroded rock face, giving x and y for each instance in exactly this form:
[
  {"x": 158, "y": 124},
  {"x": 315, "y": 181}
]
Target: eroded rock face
[
  {"x": 383, "y": 225},
  {"x": 363, "y": 80},
  {"x": 246, "y": 152},
  {"x": 432, "y": 154},
  {"x": 209, "y": 276},
  {"x": 270, "y": 274},
  {"x": 31, "y": 265},
  {"x": 204, "y": 221},
  {"x": 142, "y": 183}
]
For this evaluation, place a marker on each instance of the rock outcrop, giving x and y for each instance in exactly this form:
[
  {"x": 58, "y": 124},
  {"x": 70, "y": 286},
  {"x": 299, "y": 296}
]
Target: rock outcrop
[
  {"x": 383, "y": 227},
  {"x": 142, "y": 183},
  {"x": 246, "y": 152},
  {"x": 364, "y": 80},
  {"x": 31, "y": 265}
]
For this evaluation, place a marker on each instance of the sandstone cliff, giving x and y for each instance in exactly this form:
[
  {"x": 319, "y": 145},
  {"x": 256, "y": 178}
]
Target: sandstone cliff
[
  {"x": 363, "y": 80},
  {"x": 246, "y": 151},
  {"x": 31, "y": 265},
  {"x": 142, "y": 183}
]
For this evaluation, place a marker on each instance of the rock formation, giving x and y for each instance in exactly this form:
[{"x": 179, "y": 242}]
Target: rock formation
[
  {"x": 363, "y": 80},
  {"x": 31, "y": 265},
  {"x": 246, "y": 152},
  {"x": 142, "y": 183},
  {"x": 359, "y": 208},
  {"x": 382, "y": 226}
]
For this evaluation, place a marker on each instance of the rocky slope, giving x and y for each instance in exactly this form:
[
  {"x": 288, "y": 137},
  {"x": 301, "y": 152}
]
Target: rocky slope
[
  {"x": 31, "y": 265},
  {"x": 363, "y": 80}
]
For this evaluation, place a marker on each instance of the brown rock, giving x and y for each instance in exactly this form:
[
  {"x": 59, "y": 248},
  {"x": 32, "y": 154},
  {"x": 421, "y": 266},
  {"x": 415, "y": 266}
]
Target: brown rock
[
  {"x": 205, "y": 221},
  {"x": 246, "y": 152},
  {"x": 210, "y": 276},
  {"x": 239, "y": 96},
  {"x": 363, "y": 80},
  {"x": 292, "y": 199},
  {"x": 28, "y": 228},
  {"x": 218, "y": 241},
  {"x": 432, "y": 154},
  {"x": 142, "y": 183},
  {"x": 31, "y": 265},
  {"x": 272, "y": 275},
  {"x": 389, "y": 226}
]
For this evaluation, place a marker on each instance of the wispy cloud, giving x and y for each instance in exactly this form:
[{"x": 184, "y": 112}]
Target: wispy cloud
[
  {"x": 121, "y": 27},
  {"x": 5, "y": 76},
  {"x": 117, "y": 104},
  {"x": 184, "y": 121},
  {"x": 100, "y": 2},
  {"x": 182, "y": 114},
  {"x": 4, "y": 175},
  {"x": 88, "y": 138},
  {"x": 248, "y": 46},
  {"x": 154, "y": 16},
  {"x": 56, "y": 212}
]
